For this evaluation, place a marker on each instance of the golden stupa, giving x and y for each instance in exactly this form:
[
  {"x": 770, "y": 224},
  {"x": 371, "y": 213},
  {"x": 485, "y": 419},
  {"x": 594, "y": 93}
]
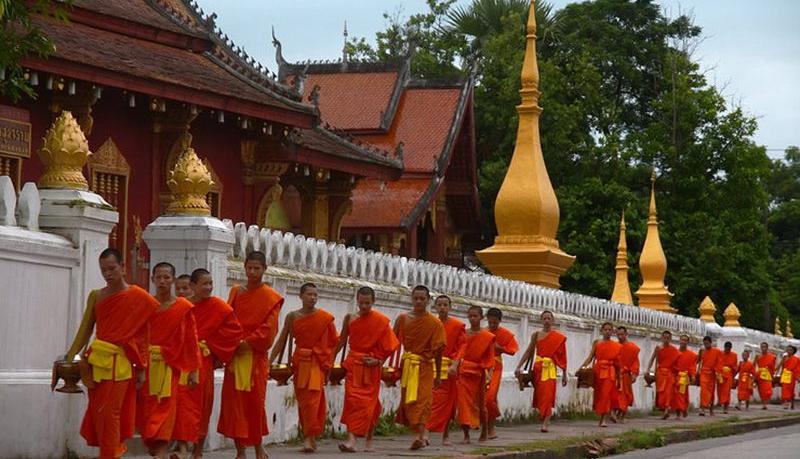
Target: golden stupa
[
  {"x": 622, "y": 288},
  {"x": 653, "y": 293},
  {"x": 189, "y": 182}
]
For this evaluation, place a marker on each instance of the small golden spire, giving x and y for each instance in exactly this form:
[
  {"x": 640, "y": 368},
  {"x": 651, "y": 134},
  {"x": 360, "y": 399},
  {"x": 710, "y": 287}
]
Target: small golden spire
[
  {"x": 731, "y": 315},
  {"x": 788, "y": 333},
  {"x": 64, "y": 152},
  {"x": 622, "y": 288},
  {"x": 778, "y": 326},
  {"x": 707, "y": 309},
  {"x": 653, "y": 293},
  {"x": 189, "y": 182}
]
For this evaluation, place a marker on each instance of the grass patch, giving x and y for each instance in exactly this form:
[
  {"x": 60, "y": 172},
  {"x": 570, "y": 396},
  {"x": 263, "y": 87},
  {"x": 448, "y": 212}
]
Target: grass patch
[
  {"x": 388, "y": 428},
  {"x": 558, "y": 446},
  {"x": 641, "y": 439}
]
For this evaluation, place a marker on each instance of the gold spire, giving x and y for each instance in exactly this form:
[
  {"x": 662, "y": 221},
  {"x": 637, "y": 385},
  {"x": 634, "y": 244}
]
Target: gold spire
[
  {"x": 622, "y": 288},
  {"x": 731, "y": 315},
  {"x": 707, "y": 309},
  {"x": 189, "y": 182},
  {"x": 778, "y": 326},
  {"x": 64, "y": 152},
  {"x": 788, "y": 333},
  {"x": 653, "y": 293},
  {"x": 526, "y": 209}
]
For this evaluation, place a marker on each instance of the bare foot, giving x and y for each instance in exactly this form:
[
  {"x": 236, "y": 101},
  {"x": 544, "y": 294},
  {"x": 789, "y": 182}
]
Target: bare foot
[
  {"x": 417, "y": 444},
  {"x": 666, "y": 415},
  {"x": 446, "y": 442},
  {"x": 345, "y": 448},
  {"x": 261, "y": 453},
  {"x": 544, "y": 430}
]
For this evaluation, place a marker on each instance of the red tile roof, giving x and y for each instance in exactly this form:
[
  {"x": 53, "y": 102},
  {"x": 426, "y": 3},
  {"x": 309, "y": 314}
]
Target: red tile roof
[
  {"x": 353, "y": 101},
  {"x": 138, "y": 11},
  {"x": 378, "y": 204}
]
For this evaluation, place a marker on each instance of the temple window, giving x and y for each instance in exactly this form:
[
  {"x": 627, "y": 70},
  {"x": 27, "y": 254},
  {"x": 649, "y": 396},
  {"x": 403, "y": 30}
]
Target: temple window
[{"x": 109, "y": 176}]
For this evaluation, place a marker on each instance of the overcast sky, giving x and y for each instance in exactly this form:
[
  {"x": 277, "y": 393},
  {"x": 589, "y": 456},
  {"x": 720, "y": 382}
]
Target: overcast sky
[{"x": 751, "y": 48}]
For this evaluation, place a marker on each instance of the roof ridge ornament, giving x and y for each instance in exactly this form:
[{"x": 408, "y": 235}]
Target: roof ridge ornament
[{"x": 282, "y": 63}]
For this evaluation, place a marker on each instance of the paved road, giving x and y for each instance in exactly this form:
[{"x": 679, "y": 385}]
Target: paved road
[{"x": 781, "y": 443}]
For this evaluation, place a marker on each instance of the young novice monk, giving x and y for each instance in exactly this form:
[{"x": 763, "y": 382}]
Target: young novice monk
[
  {"x": 765, "y": 367},
  {"x": 685, "y": 366},
  {"x": 505, "y": 343},
  {"x": 789, "y": 370},
  {"x": 628, "y": 371},
  {"x": 183, "y": 287},
  {"x": 747, "y": 374},
  {"x": 477, "y": 363},
  {"x": 605, "y": 354},
  {"x": 708, "y": 367},
  {"x": 665, "y": 355},
  {"x": 728, "y": 362}
]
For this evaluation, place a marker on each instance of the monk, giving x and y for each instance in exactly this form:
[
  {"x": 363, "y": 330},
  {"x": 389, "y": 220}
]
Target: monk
[
  {"x": 789, "y": 370},
  {"x": 628, "y": 371},
  {"x": 218, "y": 335},
  {"x": 550, "y": 349},
  {"x": 315, "y": 338},
  {"x": 116, "y": 356},
  {"x": 244, "y": 389},
  {"x": 686, "y": 369},
  {"x": 505, "y": 343},
  {"x": 443, "y": 407},
  {"x": 173, "y": 349},
  {"x": 747, "y": 374},
  {"x": 478, "y": 362},
  {"x": 765, "y": 367},
  {"x": 667, "y": 355},
  {"x": 728, "y": 363},
  {"x": 183, "y": 287},
  {"x": 423, "y": 339},
  {"x": 604, "y": 358},
  {"x": 708, "y": 367},
  {"x": 372, "y": 341}
]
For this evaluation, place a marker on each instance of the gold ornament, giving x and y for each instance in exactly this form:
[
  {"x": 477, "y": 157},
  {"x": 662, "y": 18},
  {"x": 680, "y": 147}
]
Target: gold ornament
[
  {"x": 64, "y": 152},
  {"x": 189, "y": 182},
  {"x": 778, "y": 326},
  {"x": 731, "y": 315},
  {"x": 707, "y": 309},
  {"x": 653, "y": 294},
  {"x": 788, "y": 333},
  {"x": 622, "y": 288}
]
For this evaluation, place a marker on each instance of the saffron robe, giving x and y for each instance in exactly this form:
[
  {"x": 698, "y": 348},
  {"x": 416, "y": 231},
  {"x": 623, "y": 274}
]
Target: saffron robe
[
  {"x": 747, "y": 377},
  {"x": 765, "y": 366},
  {"x": 422, "y": 338},
  {"x": 605, "y": 368},
  {"x": 218, "y": 334},
  {"x": 478, "y": 359},
  {"x": 686, "y": 370},
  {"x": 728, "y": 363},
  {"x": 369, "y": 335},
  {"x": 628, "y": 369},
  {"x": 665, "y": 375},
  {"x": 505, "y": 339},
  {"x": 709, "y": 367},
  {"x": 242, "y": 413},
  {"x": 551, "y": 352},
  {"x": 121, "y": 319},
  {"x": 445, "y": 397},
  {"x": 174, "y": 331},
  {"x": 315, "y": 337},
  {"x": 789, "y": 375}
]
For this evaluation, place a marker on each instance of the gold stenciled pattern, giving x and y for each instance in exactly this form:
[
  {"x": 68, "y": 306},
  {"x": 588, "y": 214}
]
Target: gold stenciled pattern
[
  {"x": 64, "y": 152},
  {"x": 189, "y": 182}
]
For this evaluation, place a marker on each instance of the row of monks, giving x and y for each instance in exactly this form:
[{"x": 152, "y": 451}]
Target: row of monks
[{"x": 151, "y": 364}]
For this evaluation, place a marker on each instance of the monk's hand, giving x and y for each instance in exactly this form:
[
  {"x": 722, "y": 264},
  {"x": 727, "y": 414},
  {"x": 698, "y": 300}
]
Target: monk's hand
[
  {"x": 564, "y": 379},
  {"x": 452, "y": 371},
  {"x": 371, "y": 361},
  {"x": 194, "y": 379},
  {"x": 633, "y": 378}
]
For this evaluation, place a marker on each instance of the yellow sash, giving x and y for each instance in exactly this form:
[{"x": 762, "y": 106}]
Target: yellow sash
[
  {"x": 242, "y": 366},
  {"x": 548, "y": 368},
  {"x": 764, "y": 374},
  {"x": 446, "y": 361},
  {"x": 410, "y": 378},
  {"x": 160, "y": 377},
  {"x": 683, "y": 381},
  {"x": 109, "y": 362},
  {"x": 786, "y": 376},
  {"x": 183, "y": 379}
]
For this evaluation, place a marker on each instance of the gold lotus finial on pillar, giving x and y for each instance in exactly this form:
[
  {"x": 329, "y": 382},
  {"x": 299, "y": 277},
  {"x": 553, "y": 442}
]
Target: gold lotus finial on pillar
[
  {"x": 622, "y": 288},
  {"x": 64, "y": 152},
  {"x": 778, "y": 326},
  {"x": 189, "y": 182},
  {"x": 526, "y": 209},
  {"x": 653, "y": 294},
  {"x": 731, "y": 315},
  {"x": 788, "y": 333},
  {"x": 707, "y": 309}
]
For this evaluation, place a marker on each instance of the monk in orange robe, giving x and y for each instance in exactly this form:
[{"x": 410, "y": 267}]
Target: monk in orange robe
[
  {"x": 550, "y": 349},
  {"x": 218, "y": 335},
  {"x": 477, "y": 363},
  {"x": 244, "y": 389},
  {"x": 445, "y": 397},
  {"x": 372, "y": 341},
  {"x": 628, "y": 371},
  {"x": 117, "y": 356},
  {"x": 708, "y": 368},
  {"x": 315, "y": 338},
  {"x": 183, "y": 288},
  {"x": 173, "y": 349},
  {"x": 686, "y": 369},
  {"x": 605, "y": 359},
  {"x": 505, "y": 343},
  {"x": 789, "y": 371},
  {"x": 765, "y": 367},
  {"x": 423, "y": 339},
  {"x": 728, "y": 363},
  {"x": 667, "y": 355},
  {"x": 747, "y": 376}
]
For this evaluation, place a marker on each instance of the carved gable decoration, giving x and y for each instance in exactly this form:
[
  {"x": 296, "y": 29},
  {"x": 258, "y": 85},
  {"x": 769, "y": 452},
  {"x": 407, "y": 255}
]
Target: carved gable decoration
[{"x": 109, "y": 160}]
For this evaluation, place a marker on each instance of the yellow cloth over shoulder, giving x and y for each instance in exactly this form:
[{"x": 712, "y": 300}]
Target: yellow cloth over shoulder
[
  {"x": 109, "y": 362},
  {"x": 548, "y": 368},
  {"x": 160, "y": 374}
]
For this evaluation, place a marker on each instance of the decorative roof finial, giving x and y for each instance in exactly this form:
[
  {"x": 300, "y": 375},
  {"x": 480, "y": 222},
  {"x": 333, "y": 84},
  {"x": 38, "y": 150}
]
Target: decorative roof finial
[
  {"x": 622, "y": 288},
  {"x": 344, "y": 48},
  {"x": 707, "y": 309},
  {"x": 64, "y": 152},
  {"x": 189, "y": 182},
  {"x": 282, "y": 64},
  {"x": 313, "y": 96},
  {"x": 653, "y": 293},
  {"x": 731, "y": 315}
]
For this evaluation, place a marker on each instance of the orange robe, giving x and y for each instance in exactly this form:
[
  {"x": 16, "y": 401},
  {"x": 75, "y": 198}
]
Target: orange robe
[
  {"x": 121, "y": 320},
  {"x": 369, "y": 335},
  {"x": 665, "y": 375},
  {"x": 790, "y": 371},
  {"x": 628, "y": 369},
  {"x": 218, "y": 333},
  {"x": 686, "y": 369},
  {"x": 315, "y": 338},
  {"x": 605, "y": 368},
  {"x": 173, "y": 330},
  {"x": 508, "y": 342},
  {"x": 445, "y": 397},
  {"x": 747, "y": 376},
  {"x": 552, "y": 347},
  {"x": 478, "y": 359},
  {"x": 709, "y": 367},
  {"x": 765, "y": 362},
  {"x": 242, "y": 412},
  {"x": 727, "y": 370},
  {"x": 422, "y": 338}
]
